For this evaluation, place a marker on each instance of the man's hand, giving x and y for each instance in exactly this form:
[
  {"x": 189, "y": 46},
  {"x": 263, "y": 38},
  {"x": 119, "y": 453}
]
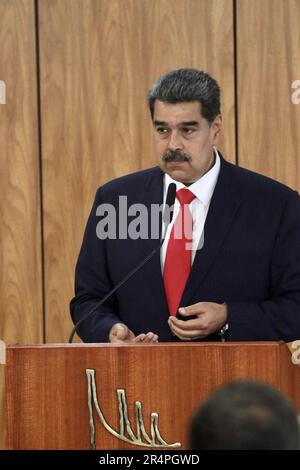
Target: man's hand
[
  {"x": 211, "y": 317},
  {"x": 121, "y": 334}
]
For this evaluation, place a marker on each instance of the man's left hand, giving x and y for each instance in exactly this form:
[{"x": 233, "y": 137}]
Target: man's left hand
[{"x": 210, "y": 317}]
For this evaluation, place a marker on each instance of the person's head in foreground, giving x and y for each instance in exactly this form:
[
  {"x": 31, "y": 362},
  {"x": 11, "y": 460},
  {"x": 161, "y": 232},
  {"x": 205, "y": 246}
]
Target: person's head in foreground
[{"x": 245, "y": 415}]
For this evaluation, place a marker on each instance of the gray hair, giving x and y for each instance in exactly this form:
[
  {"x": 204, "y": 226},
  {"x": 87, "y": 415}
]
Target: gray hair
[{"x": 186, "y": 85}]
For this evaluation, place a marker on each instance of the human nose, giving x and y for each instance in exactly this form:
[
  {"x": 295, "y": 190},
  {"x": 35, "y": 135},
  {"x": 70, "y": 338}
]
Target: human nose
[{"x": 175, "y": 141}]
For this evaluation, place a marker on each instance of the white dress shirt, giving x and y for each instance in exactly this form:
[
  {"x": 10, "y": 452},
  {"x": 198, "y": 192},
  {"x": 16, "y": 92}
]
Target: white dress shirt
[{"x": 203, "y": 190}]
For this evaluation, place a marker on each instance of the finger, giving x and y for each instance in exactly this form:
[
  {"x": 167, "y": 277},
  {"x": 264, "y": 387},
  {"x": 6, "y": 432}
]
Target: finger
[
  {"x": 148, "y": 337},
  {"x": 114, "y": 339},
  {"x": 120, "y": 331},
  {"x": 194, "y": 309},
  {"x": 151, "y": 338},
  {"x": 188, "y": 325},
  {"x": 117, "y": 332},
  {"x": 187, "y": 334},
  {"x": 140, "y": 338}
]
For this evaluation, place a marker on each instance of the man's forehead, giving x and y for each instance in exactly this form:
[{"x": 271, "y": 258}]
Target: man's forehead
[{"x": 179, "y": 112}]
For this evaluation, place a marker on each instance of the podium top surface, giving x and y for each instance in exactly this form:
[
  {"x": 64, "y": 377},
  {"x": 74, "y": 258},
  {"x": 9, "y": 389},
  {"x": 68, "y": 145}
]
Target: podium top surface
[{"x": 217, "y": 344}]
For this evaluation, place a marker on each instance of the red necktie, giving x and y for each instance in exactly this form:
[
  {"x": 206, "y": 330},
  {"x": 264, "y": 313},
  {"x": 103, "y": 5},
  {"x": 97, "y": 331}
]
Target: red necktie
[{"x": 178, "y": 257}]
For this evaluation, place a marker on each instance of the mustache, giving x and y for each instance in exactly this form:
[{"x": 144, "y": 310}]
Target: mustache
[{"x": 175, "y": 156}]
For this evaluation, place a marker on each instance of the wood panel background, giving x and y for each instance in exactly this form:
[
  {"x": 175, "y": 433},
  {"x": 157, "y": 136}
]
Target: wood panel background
[
  {"x": 268, "y": 61},
  {"x": 20, "y": 228},
  {"x": 95, "y": 61}
]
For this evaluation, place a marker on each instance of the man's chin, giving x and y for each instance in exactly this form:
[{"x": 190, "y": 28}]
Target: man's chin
[{"x": 178, "y": 174}]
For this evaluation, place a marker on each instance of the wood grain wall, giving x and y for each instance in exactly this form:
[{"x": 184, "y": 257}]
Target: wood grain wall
[
  {"x": 268, "y": 61},
  {"x": 95, "y": 61},
  {"x": 20, "y": 227}
]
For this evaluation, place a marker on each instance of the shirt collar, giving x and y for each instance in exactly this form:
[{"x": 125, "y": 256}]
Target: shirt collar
[{"x": 204, "y": 187}]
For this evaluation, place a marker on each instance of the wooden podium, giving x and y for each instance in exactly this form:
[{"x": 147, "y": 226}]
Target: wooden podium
[{"x": 116, "y": 397}]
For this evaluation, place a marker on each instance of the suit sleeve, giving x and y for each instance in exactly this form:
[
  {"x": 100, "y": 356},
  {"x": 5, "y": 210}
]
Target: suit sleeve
[
  {"x": 92, "y": 283},
  {"x": 278, "y": 317}
]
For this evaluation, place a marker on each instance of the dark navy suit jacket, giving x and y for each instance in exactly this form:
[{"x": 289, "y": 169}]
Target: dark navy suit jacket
[{"x": 250, "y": 260}]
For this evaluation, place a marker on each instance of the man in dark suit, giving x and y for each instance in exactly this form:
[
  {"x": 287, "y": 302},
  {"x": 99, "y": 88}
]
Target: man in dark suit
[{"x": 233, "y": 273}]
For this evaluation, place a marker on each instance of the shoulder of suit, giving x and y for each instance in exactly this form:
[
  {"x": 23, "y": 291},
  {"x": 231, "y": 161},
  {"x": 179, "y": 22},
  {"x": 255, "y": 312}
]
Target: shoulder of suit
[
  {"x": 251, "y": 180},
  {"x": 133, "y": 181}
]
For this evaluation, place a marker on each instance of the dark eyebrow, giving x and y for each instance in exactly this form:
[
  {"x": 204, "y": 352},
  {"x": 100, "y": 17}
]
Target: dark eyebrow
[
  {"x": 183, "y": 123},
  {"x": 160, "y": 123},
  {"x": 189, "y": 123}
]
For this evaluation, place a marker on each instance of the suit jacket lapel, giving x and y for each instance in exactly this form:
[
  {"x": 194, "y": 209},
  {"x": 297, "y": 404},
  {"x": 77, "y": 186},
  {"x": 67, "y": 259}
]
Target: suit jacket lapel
[
  {"x": 222, "y": 210},
  {"x": 152, "y": 269}
]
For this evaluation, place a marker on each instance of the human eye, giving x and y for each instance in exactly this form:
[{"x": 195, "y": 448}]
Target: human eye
[
  {"x": 187, "y": 131},
  {"x": 162, "y": 131}
]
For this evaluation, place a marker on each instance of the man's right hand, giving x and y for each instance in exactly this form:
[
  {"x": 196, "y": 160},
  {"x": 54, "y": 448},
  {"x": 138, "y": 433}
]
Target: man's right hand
[{"x": 121, "y": 334}]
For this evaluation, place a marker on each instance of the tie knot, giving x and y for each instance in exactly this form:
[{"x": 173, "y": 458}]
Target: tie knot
[{"x": 185, "y": 196}]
